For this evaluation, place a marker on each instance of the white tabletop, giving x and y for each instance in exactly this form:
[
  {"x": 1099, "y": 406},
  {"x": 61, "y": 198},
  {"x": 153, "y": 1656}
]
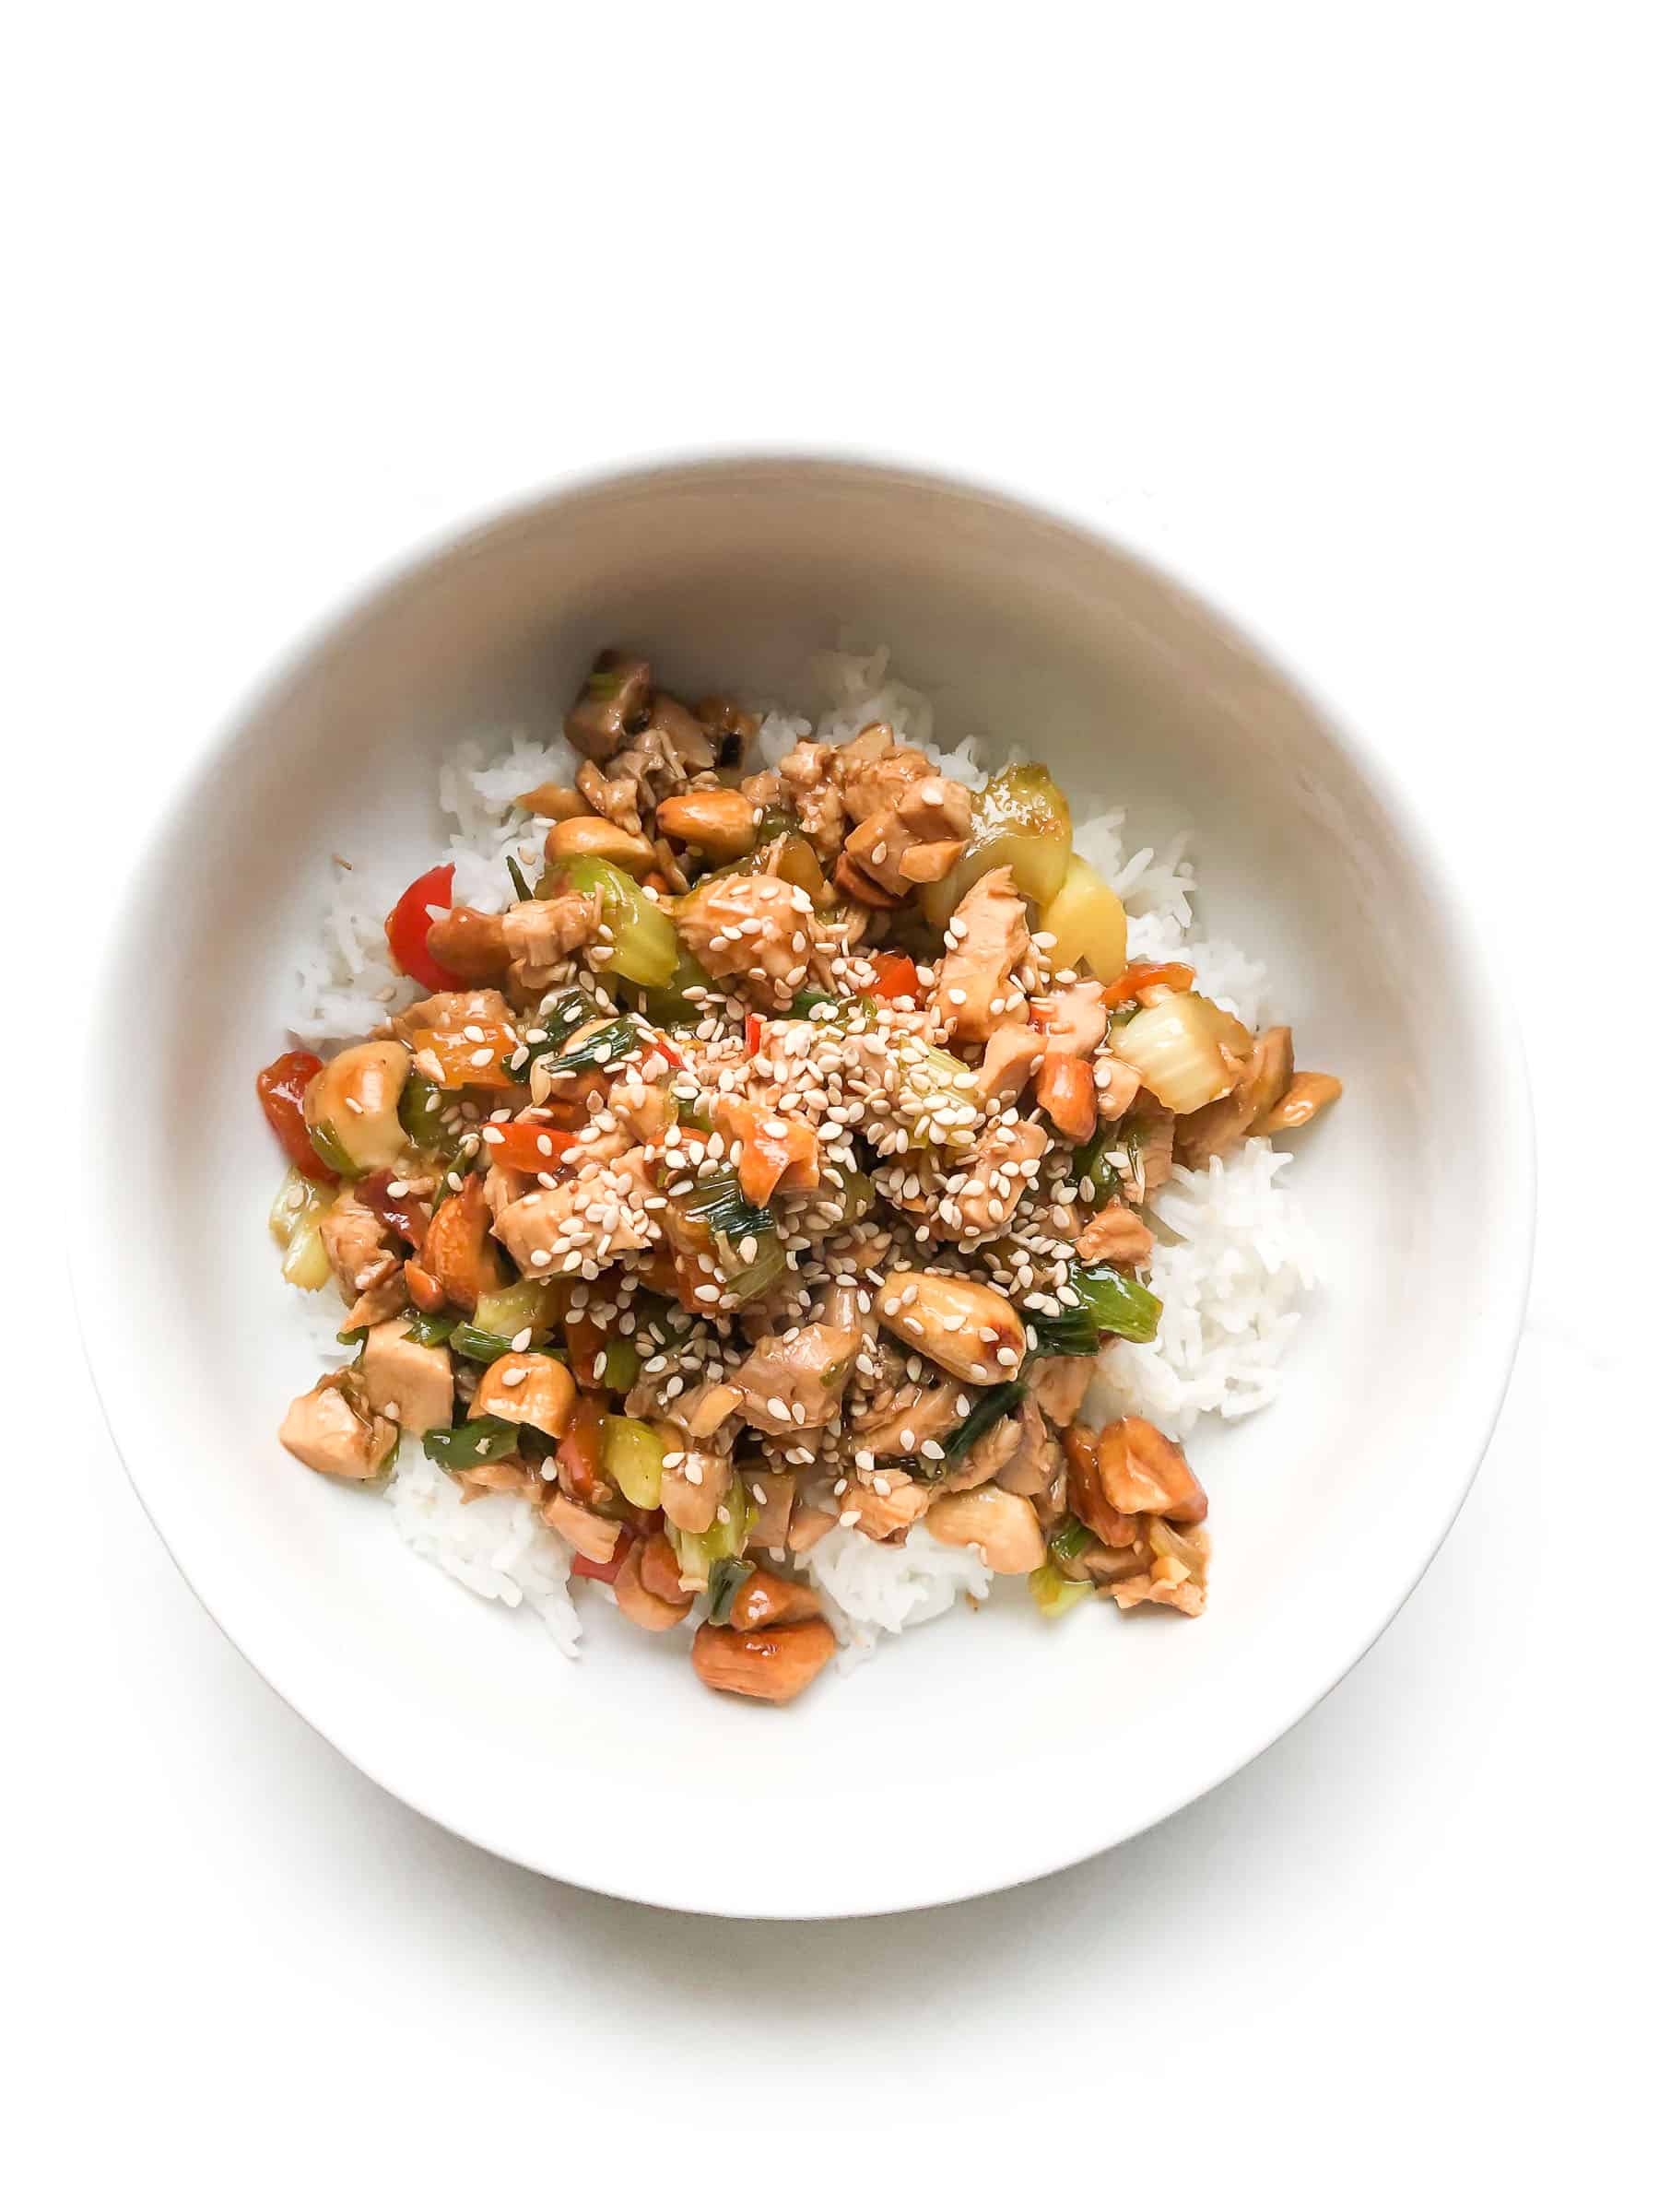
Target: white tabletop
[{"x": 1342, "y": 316}]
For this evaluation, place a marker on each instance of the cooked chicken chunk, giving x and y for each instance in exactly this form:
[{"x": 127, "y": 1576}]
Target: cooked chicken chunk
[
  {"x": 326, "y": 1431},
  {"x": 449, "y": 1011},
  {"x": 919, "y": 1414},
  {"x": 874, "y": 772},
  {"x": 411, "y": 1383},
  {"x": 883, "y": 1504},
  {"x": 919, "y": 839},
  {"x": 797, "y": 1380},
  {"x": 539, "y": 932},
  {"x": 756, "y": 927},
  {"x": 806, "y": 776},
  {"x": 1118, "y": 1236},
  {"x": 995, "y": 1178},
  {"x": 974, "y": 990},
  {"x": 613, "y": 700},
  {"x": 359, "y": 1244},
  {"x": 1079, "y": 1021},
  {"x": 1060, "y": 1387},
  {"x": 1035, "y": 1460},
  {"x": 1012, "y": 1054}
]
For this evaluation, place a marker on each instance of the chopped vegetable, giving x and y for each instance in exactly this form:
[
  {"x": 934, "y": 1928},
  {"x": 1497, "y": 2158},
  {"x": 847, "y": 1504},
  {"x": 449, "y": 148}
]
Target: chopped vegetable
[
  {"x": 631, "y": 1454},
  {"x": 1055, "y": 1593},
  {"x": 1071, "y": 1539},
  {"x": 896, "y": 976},
  {"x": 1146, "y": 975},
  {"x": 1097, "y": 1179},
  {"x": 520, "y": 884},
  {"x": 617, "y": 1366},
  {"x": 1177, "y": 1049},
  {"x": 1020, "y": 821},
  {"x": 1110, "y": 1303},
  {"x": 528, "y": 1148},
  {"x": 473, "y": 1444},
  {"x": 995, "y": 1406},
  {"x": 432, "y": 1328},
  {"x": 719, "y": 1207},
  {"x": 407, "y": 923},
  {"x": 533, "y": 1306},
  {"x": 296, "y": 1213},
  {"x": 615, "y": 1041},
  {"x": 1086, "y": 920},
  {"x": 726, "y": 1577},
  {"x": 475, "y": 1063},
  {"x": 603, "y": 1571},
  {"x": 421, "y": 1109},
  {"x": 724, "y": 1540},
  {"x": 645, "y": 948},
  {"x": 668, "y": 1003},
  {"x": 801, "y": 1004},
  {"x": 281, "y": 1087}
]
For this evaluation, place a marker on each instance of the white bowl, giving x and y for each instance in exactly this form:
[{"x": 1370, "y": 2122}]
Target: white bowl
[{"x": 983, "y": 1750}]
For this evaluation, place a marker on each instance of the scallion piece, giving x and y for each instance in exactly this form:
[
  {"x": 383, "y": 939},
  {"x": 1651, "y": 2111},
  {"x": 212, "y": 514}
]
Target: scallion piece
[
  {"x": 611, "y": 1042},
  {"x": 995, "y": 1406},
  {"x": 1070, "y": 1540},
  {"x": 473, "y": 1444},
  {"x": 482, "y": 1344},
  {"x": 517, "y": 874},
  {"x": 431, "y": 1328}
]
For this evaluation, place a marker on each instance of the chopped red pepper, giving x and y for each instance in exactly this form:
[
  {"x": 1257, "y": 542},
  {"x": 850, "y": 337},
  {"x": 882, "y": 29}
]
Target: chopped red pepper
[
  {"x": 896, "y": 976},
  {"x": 1140, "y": 975},
  {"x": 580, "y": 1448},
  {"x": 752, "y": 1028},
  {"x": 409, "y": 1217},
  {"x": 281, "y": 1088},
  {"x": 531, "y": 1147},
  {"x": 408, "y": 922},
  {"x": 605, "y": 1570}
]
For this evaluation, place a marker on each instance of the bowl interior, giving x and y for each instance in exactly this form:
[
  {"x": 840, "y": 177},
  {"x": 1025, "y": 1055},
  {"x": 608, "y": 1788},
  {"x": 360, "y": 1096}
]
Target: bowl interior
[{"x": 985, "y": 1749}]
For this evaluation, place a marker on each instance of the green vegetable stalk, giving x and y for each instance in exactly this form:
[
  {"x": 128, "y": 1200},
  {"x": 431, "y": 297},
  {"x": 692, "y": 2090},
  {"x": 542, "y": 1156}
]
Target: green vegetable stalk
[{"x": 473, "y": 1444}]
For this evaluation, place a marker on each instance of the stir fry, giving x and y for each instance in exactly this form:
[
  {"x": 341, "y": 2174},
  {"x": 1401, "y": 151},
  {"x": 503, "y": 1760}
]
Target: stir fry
[{"x": 778, "y": 1159}]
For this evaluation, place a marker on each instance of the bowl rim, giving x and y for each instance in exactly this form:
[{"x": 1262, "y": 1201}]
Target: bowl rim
[{"x": 1499, "y": 1047}]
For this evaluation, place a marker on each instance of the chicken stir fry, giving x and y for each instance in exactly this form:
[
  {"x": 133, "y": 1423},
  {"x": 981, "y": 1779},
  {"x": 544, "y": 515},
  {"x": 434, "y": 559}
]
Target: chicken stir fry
[{"x": 779, "y": 1160}]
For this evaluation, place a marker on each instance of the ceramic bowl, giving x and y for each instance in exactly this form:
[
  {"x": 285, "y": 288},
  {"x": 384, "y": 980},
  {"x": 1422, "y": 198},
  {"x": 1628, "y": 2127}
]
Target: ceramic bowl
[{"x": 984, "y": 1749}]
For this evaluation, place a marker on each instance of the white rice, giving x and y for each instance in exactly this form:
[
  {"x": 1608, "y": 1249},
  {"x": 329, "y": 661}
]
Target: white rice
[{"x": 1233, "y": 1261}]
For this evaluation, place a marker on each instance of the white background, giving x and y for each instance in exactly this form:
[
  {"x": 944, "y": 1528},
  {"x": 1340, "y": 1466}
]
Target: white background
[{"x": 1344, "y": 312}]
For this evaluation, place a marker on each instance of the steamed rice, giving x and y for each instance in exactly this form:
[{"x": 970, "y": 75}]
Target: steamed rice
[{"x": 1233, "y": 1261}]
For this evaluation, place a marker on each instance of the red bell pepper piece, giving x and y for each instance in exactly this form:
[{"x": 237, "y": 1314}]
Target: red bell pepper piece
[
  {"x": 281, "y": 1088},
  {"x": 408, "y": 922},
  {"x": 605, "y": 1570},
  {"x": 896, "y": 976},
  {"x": 752, "y": 1027},
  {"x": 530, "y": 1147},
  {"x": 409, "y": 1217},
  {"x": 1140, "y": 975}
]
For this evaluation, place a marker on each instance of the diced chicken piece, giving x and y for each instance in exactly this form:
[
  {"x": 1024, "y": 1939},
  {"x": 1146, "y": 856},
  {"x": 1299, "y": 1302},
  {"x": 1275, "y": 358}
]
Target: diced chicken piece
[
  {"x": 1035, "y": 1460},
  {"x": 643, "y": 1110},
  {"x": 413, "y": 1385},
  {"x": 1012, "y": 1054},
  {"x": 988, "y": 938},
  {"x": 1308, "y": 1095},
  {"x": 379, "y": 1302},
  {"x": 1078, "y": 1021},
  {"x": 773, "y": 1492},
  {"x": 693, "y": 1488},
  {"x": 918, "y": 839},
  {"x": 806, "y": 1524},
  {"x": 540, "y": 932},
  {"x": 882, "y": 1512},
  {"x": 757, "y": 928},
  {"x": 995, "y": 1178},
  {"x": 1217, "y": 1129},
  {"x": 1137, "y": 1470},
  {"x": 357, "y": 1243},
  {"x": 449, "y": 1011},
  {"x": 1059, "y": 1386},
  {"x": 874, "y": 772},
  {"x": 806, "y": 1369},
  {"x": 326, "y": 1431},
  {"x": 704, "y": 1409},
  {"x": 586, "y": 1531},
  {"x": 1116, "y": 1087},
  {"x": 616, "y": 797},
  {"x": 780, "y": 1151},
  {"x": 806, "y": 776},
  {"x": 985, "y": 1460},
  {"x": 1117, "y": 1235},
  {"x": 601, "y": 1212},
  {"x": 613, "y": 700},
  {"x": 469, "y": 944},
  {"x": 1163, "y": 1588},
  {"x": 919, "y": 1414}
]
